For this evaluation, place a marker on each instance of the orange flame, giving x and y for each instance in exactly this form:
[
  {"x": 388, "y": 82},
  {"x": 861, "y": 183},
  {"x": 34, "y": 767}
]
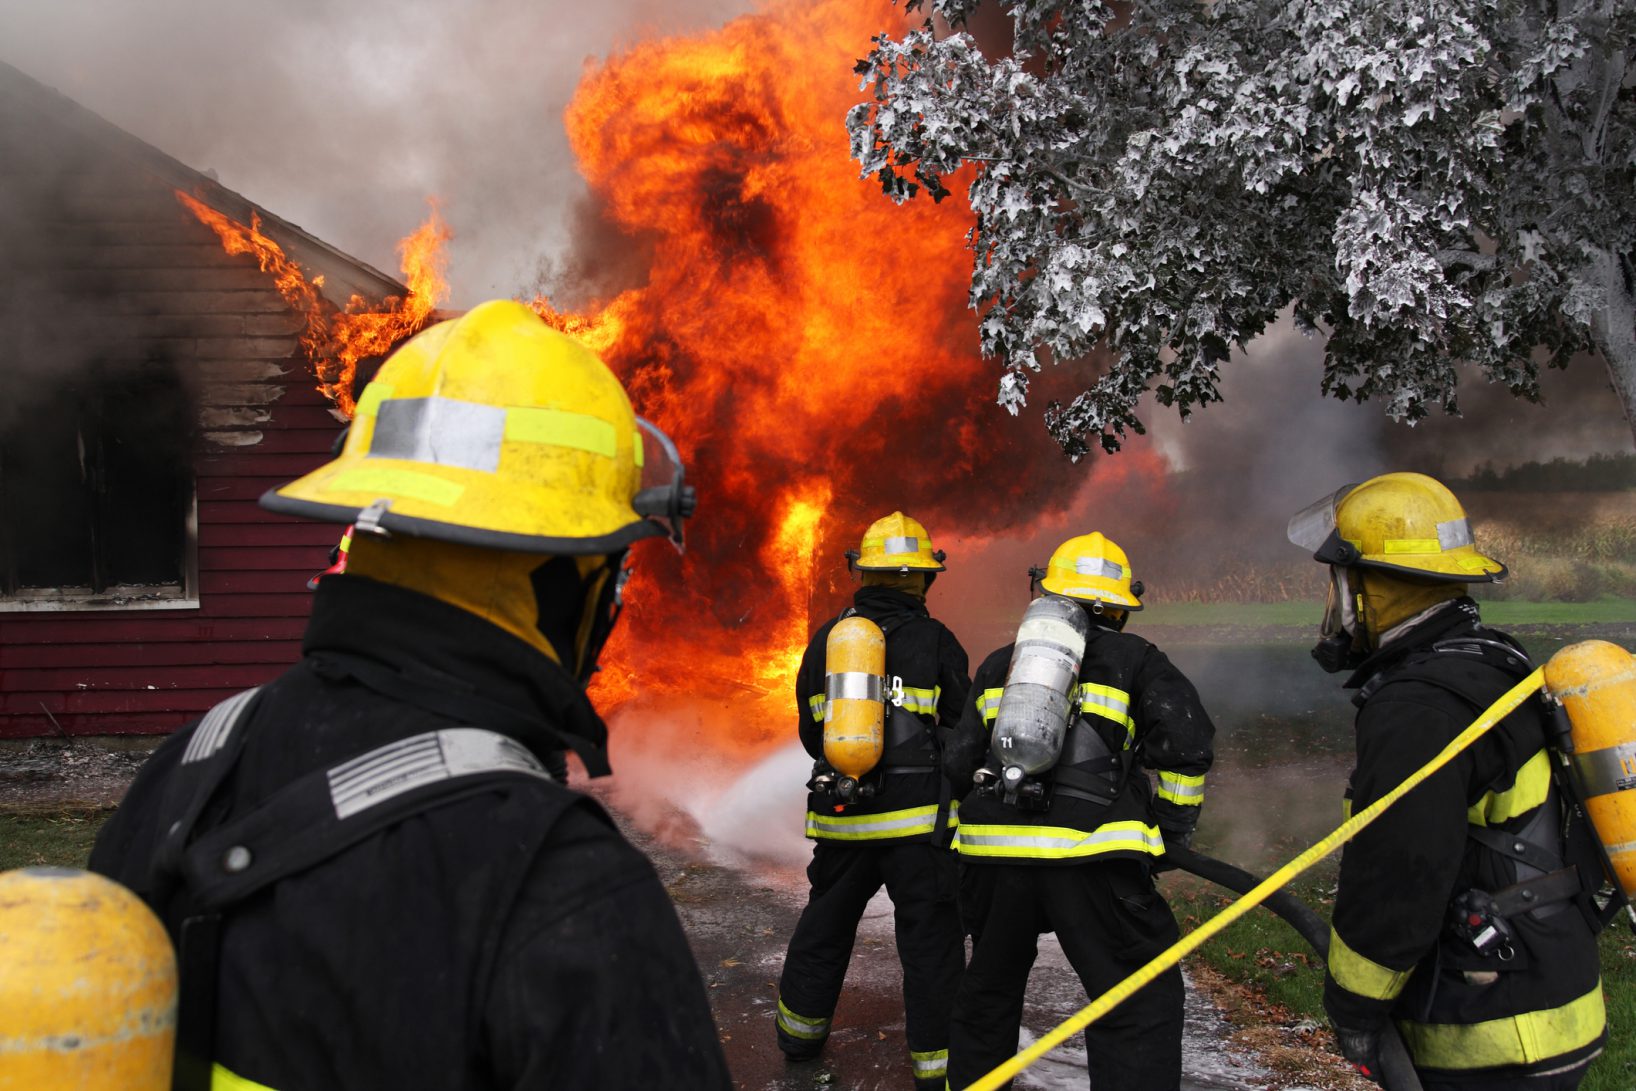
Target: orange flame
[
  {"x": 336, "y": 340},
  {"x": 806, "y": 342}
]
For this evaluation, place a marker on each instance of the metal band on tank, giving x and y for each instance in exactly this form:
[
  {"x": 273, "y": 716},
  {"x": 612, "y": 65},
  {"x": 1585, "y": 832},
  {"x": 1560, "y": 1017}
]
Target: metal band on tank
[
  {"x": 1603, "y": 772},
  {"x": 854, "y": 686},
  {"x": 1053, "y": 672}
]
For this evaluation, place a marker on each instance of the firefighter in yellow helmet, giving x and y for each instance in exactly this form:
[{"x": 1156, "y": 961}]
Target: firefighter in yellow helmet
[
  {"x": 1060, "y": 827},
  {"x": 891, "y": 826},
  {"x": 1460, "y": 914},
  {"x": 373, "y": 868}
]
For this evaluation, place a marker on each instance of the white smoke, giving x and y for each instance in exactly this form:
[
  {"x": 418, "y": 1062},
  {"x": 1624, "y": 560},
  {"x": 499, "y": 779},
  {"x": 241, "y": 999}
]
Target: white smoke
[{"x": 345, "y": 118}]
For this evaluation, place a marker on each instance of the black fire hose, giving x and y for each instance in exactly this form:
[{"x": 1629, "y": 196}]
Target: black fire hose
[{"x": 1395, "y": 1067}]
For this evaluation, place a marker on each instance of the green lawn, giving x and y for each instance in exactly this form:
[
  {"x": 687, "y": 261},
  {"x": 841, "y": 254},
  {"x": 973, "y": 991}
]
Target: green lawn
[
  {"x": 60, "y": 840},
  {"x": 1262, "y": 951}
]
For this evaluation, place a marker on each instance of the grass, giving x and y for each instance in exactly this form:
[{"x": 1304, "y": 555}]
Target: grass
[
  {"x": 1263, "y": 952},
  {"x": 48, "y": 840}
]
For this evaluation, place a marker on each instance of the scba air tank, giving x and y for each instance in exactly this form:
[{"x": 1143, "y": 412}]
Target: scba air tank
[
  {"x": 1038, "y": 701},
  {"x": 1595, "y": 683},
  {"x": 854, "y": 699}
]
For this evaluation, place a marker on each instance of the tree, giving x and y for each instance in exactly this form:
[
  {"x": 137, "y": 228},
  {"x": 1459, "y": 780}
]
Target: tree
[{"x": 1425, "y": 182}]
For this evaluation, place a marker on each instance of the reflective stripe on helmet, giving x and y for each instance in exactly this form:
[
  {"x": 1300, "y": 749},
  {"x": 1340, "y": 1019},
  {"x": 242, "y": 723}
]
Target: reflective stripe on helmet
[
  {"x": 1057, "y": 842},
  {"x": 1099, "y": 566},
  {"x": 450, "y": 432},
  {"x": 1181, "y": 789},
  {"x": 900, "y": 545},
  {"x": 910, "y": 822}
]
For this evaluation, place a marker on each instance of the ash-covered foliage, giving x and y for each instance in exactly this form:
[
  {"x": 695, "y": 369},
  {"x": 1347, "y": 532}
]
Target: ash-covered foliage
[{"x": 1424, "y": 181}]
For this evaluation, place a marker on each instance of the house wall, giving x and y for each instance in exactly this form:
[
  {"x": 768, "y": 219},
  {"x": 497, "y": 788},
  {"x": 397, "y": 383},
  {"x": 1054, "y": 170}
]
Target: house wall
[{"x": 107, "y": 252}]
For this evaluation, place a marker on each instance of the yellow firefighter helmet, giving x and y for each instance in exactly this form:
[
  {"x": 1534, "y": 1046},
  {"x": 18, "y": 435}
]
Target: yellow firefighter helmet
[
  {"x": 1092, "y": 569},
  {"x": 896, "y": 543},
  {"x": 88, "y": 996},
  {"x": 1403, "y": 523},
  {"x": 495, "y": 430}
]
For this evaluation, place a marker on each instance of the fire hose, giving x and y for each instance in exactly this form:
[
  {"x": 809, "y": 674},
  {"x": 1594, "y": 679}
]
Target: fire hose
[
  {"x": 1396, "y": 1069},
  {"x": 1261, "y": 892}
]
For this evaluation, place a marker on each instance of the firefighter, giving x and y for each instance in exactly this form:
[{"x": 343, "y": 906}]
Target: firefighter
[
  {"x": 372, "y": 867},
  {"x": 1071, "y": 847},
  {"x": 1457, "y": 915},
  {"x": 896, "y": 832}
]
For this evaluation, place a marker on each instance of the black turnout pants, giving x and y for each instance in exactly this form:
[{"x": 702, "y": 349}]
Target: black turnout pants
[
  {"x": 1110, "y": 921},
  {"x": 921, "y": 880}
]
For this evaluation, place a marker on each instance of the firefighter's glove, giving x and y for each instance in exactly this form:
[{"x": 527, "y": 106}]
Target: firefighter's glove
[{"x": 1362, "y": 1049}]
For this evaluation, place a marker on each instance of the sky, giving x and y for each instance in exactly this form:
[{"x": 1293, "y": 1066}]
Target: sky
[{"x": 346, "y": 118}]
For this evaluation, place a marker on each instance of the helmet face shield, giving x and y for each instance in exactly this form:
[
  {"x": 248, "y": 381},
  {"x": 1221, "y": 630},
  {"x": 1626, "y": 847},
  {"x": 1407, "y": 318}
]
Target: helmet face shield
[
  {"x": 663, "y": 497},
  {"x": 1314, "y": 524}
]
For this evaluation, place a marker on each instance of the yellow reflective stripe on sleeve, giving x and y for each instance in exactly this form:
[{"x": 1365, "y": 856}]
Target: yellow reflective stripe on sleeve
[
  {"x": 988, "y": 703},
  {"x": 1181, "y": 788},
  {"x": 1515, "y": 1040},
  {"x": 909, "y": 822},
  {"x": 1057, "y": 842},
  {"x": 816, "y": 704},
  {"x": 800, "y": 1026},
  {"x": 920, "y": 700},
  {"x": 560, "y": 428},
  {"x": 931, "y": 1064},
  {"x": 1110, "y": 703},
  {"x": 1527, "y": 791},
  {"x": 1362, "y": 976},
  {"x": 221, "y": 1079}
]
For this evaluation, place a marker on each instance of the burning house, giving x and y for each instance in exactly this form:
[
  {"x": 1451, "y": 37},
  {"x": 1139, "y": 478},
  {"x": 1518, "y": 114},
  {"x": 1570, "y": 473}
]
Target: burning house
[{"x": 158, "y": 377}]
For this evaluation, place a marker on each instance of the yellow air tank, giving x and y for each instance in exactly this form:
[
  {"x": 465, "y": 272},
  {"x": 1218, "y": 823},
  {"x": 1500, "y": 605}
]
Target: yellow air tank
[
  {"x": 87, "y": 985},
  {"x": 1595, "y": 682},
  {"x": 854, "y": 697}
]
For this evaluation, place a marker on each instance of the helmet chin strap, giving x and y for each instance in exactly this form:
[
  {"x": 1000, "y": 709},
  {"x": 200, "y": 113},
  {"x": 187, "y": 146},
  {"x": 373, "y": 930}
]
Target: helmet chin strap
[{"x": 1343, "y": 643}]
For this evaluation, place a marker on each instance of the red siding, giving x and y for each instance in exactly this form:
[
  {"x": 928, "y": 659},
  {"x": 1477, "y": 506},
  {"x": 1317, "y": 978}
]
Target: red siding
[{"x": 165, "y": 285}]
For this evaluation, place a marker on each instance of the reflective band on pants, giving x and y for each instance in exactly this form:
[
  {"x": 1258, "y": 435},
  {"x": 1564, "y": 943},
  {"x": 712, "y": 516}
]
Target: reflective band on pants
[
  {"x": 799, "y": 1026},
  {"x": 1057, "y": 842},
  {"x": 930, "y": 1065},
  {"x": 1514, "y": 1040},
  {"x": 870, "y": 827}
]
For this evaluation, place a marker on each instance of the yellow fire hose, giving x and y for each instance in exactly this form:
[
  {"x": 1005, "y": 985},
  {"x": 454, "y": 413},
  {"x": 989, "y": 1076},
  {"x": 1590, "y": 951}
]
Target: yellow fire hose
[{"x": 1195, "y": 939}]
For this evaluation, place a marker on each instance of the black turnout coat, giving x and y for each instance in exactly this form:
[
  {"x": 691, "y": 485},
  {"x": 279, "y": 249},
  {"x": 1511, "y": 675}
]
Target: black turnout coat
[{"x": 509, "y": 938}]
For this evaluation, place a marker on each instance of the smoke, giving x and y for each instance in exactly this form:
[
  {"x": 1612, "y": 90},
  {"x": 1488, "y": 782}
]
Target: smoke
[{"x": 345, "y": 118}]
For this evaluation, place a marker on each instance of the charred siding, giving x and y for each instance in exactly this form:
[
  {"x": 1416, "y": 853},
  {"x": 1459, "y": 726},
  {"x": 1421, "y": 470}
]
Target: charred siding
[{"x": 99, "y": 262}]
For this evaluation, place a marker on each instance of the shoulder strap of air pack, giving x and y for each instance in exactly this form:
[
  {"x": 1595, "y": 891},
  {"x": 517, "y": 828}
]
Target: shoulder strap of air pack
[{"x": 310, "y": 820}]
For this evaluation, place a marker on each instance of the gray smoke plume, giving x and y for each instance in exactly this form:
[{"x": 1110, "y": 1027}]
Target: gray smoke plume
[{"x": 344, "y": 119}]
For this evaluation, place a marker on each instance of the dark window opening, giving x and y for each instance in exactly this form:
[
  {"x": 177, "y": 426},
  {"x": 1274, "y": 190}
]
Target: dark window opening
[{"x": 96, "y": 487}]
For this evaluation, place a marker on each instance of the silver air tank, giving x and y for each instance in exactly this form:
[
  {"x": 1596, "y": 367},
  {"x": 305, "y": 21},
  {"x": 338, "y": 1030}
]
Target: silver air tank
[{"x": 1041, "y": 685}]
